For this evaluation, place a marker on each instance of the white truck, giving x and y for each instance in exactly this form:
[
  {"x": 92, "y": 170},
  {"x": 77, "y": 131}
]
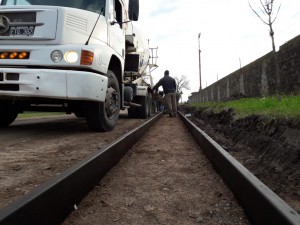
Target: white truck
[{"x": 77, "y": 56}]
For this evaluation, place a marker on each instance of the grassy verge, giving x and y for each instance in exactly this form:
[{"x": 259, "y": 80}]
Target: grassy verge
[
  {"x": 38, "y": 114},
  {"x": 275, "y": 107}
]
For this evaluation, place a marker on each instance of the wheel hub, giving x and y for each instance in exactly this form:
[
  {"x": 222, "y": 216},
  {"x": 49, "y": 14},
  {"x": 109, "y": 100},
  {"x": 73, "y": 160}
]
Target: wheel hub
[{"x": 111, "y": 102}]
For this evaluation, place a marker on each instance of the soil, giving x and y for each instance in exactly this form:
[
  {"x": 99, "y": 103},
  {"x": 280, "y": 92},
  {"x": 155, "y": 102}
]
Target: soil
[
  {"x": 269, "y": 148},
  {"x": 33, "y": 150},
  {"x": 164, "y": 179}
]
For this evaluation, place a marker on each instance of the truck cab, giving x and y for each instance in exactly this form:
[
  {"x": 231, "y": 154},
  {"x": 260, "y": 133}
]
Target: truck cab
[{"x": 70, "y": 56}]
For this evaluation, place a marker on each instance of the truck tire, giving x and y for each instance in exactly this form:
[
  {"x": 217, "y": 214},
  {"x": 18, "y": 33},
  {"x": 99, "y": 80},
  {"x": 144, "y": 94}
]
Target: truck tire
[
  {"x": 149, "y": 104},
  {"x": 143, "y": 111},
  {"x": 103, "y": 116},
  {"x": 7, "y": 116},
  {"x": 132, "y": 111},
  {"x": 139, "y": 112},
  {"x": 78, "y": 114}
]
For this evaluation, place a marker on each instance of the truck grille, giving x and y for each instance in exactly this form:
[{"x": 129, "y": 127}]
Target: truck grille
[
  {"x": 12, "y": 76},
  {"x": 21, "y": 17},
  {"x": 9, "y": 87},
  {"x": 21, "y": 21},
  {"x": 9, "y": 76},
  {"x": 6, "y": 77}
]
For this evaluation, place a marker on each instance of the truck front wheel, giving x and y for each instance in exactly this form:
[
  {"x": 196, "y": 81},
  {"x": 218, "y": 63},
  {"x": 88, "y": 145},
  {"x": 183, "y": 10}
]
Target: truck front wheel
[
  {"x": 103, "y": 116},
  {"x": 7, "y": 115}
]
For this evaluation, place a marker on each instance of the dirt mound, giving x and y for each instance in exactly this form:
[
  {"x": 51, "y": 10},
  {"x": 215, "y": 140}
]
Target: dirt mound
[{"x": 269, "y": 148}]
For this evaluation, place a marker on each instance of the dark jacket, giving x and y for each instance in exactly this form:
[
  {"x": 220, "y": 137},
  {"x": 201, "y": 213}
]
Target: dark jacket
[{"x": 168, "y": 83}]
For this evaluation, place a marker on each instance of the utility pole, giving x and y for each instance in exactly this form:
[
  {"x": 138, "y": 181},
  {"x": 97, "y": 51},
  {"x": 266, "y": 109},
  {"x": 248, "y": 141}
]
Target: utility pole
[{"x": 199, "y": 61}]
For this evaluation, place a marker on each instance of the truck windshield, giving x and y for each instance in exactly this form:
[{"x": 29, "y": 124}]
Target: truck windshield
[{"x": 90, "y": 5}]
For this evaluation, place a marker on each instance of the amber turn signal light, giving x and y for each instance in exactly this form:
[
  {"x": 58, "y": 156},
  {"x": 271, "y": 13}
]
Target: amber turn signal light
[
  {"x": 87, "y": 58},
  {"x": 14, "y": 55}
]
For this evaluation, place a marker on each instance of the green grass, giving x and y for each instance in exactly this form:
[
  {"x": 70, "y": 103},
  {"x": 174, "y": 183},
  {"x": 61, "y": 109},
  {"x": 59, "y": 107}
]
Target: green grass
[
  {"x": 39, "y": 114},
  {"x": 276, "y": 107}
]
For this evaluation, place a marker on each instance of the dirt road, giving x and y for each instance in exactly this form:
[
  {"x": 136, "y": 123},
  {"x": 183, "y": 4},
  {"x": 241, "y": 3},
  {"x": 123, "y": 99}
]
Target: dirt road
[
  {"x": 164, "y": 179},
  {"x": 33, "y": 150}
]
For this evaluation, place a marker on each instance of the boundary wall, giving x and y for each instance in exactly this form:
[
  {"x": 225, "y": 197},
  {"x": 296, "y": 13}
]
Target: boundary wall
[{"x": 276, "y": 73}]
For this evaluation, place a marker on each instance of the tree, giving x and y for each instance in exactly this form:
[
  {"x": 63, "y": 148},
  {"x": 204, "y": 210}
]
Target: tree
[
  {"x": 266, "y": 9},
  {"x": 182, "y": 83}
]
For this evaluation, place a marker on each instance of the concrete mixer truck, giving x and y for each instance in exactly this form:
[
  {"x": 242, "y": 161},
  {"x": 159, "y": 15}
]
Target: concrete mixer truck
[{"x": 77, "y": 56}]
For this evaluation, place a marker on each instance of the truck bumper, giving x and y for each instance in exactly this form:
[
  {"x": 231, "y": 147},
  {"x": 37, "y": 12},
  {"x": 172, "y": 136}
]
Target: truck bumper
[{"x": 53, "y": 84}]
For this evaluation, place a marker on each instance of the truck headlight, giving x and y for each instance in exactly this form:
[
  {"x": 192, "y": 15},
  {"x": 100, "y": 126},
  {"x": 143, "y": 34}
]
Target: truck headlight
[
  {"x": 56, "y": 56},
  {"x": 71, "y": 57}
]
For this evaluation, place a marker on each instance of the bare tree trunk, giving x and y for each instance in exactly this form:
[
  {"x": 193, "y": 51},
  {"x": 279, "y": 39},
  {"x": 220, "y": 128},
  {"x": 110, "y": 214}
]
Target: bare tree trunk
[
  {"x": 272, "y": 37},
  {"x": 267, "y": 8},
  {"x": 277, "y": 73}
]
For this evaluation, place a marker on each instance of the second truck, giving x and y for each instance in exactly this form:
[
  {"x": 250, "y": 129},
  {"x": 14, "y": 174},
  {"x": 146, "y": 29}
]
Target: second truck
[{"x": 78, "y": 56}]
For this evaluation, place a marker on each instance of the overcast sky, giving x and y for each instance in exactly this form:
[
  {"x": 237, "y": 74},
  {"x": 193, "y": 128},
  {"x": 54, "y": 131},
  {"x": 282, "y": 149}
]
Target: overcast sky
[{"x": 230, "y": 32}]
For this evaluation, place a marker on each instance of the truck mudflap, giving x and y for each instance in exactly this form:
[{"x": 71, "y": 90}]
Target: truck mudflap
[{"x": 53, "y": 84}]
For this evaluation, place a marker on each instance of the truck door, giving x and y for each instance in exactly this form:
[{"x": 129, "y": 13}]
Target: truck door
[{"x": 116, "y": 31}]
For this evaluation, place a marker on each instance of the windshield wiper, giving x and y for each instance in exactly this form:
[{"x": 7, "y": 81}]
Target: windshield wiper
[{"x": 101, "y": 12}]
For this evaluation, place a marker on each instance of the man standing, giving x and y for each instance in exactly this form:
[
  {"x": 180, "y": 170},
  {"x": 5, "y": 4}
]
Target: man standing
[{"x": 169, "y": 86}]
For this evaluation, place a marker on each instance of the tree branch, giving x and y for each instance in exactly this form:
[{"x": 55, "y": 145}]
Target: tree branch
[
  {"x": 277, "y": 13},
  {"x": 257, "y": 13}
]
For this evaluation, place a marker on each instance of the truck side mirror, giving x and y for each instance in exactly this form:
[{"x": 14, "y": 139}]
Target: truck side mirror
[{"x": 133, "y": 10}]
